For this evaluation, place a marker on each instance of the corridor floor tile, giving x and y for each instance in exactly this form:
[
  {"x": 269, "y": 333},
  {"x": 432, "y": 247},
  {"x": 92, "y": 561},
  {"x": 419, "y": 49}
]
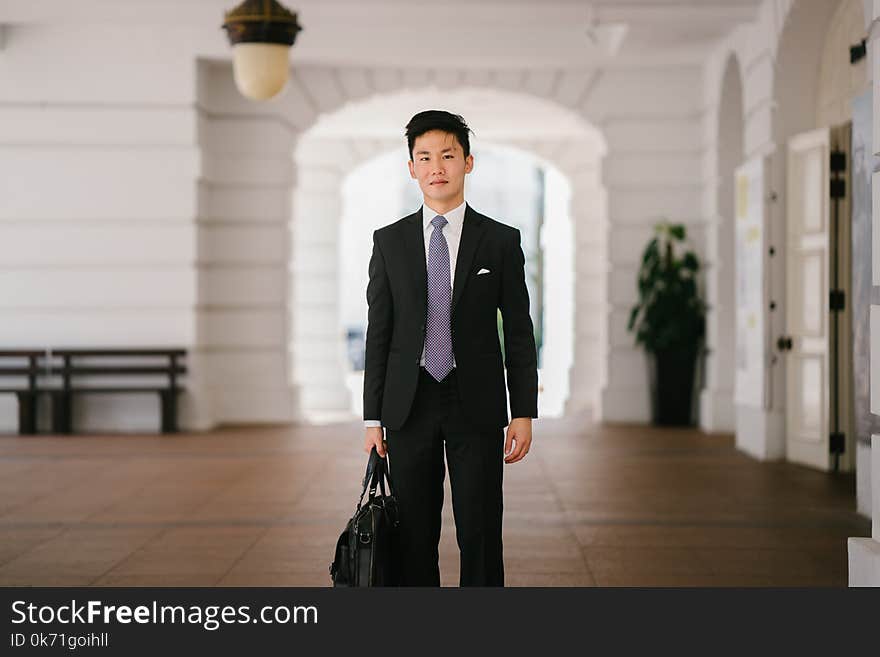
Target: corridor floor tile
[{"x": 591, "y": 505}]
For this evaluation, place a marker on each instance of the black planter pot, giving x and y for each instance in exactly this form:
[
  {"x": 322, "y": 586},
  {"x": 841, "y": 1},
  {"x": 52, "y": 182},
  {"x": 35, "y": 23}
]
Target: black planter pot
[{"x": 671, "y": 379}]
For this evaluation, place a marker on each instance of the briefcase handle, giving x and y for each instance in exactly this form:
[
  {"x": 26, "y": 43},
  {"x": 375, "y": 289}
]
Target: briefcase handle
[{"x": 377, "y": 471}]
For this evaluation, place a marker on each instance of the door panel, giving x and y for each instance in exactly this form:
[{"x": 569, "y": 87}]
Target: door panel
[{"x": 807, "y": 286}]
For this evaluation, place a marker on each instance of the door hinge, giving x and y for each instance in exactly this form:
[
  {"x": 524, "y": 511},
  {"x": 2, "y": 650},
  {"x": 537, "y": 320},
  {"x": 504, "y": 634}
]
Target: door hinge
[
  {"x": 838, "y": 188},
  {"x": 837, "y": 300},
  {"x": 838, "y": 161},
  {"x": 858, "y": 51},
  {"x": 837, "y": 442}
]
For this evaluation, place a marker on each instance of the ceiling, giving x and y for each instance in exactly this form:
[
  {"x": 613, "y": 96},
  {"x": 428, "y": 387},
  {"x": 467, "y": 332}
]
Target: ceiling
[{"x": 549, "y": 34}]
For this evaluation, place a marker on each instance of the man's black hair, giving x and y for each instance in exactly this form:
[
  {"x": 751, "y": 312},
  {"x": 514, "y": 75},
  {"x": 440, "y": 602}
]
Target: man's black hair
[{"x": 438, "y": 120}]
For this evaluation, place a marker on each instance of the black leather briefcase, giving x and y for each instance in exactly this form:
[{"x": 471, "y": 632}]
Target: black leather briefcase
[{"x": 365, "y": 549}]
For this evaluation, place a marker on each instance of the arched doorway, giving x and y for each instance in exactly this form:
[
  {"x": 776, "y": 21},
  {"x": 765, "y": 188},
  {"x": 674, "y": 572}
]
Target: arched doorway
[
  {"x": 510, "y": 183},
  {"x": 340, "y": 141}
]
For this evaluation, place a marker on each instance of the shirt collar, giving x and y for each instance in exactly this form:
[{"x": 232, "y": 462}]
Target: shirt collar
[{"x": 455, "y": 217}]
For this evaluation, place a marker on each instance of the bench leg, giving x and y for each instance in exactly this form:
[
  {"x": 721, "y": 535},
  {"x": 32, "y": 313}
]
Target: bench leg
[
  {"x": 27, "y": 413},
  {"x": 168, "y": 399},
  {"x": 62, "y": 411}
]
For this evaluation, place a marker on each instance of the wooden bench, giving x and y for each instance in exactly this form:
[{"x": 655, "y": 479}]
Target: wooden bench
[
  {"x": 25, "y": 370},
  {"x": 73, "y": 364}
]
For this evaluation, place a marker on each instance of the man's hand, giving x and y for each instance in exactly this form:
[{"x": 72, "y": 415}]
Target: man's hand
[
  {"x": 520, "y": 432},
  {"x": 375, "y": 436}
]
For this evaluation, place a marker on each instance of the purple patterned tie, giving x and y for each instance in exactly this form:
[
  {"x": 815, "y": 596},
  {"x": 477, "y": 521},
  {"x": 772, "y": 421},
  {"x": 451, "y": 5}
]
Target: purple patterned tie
[{"x": 438, "y": 339}]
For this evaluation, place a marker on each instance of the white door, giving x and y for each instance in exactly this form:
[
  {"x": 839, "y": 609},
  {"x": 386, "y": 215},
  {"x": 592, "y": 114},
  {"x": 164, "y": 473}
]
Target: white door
[{"x": 806, "y": 302}]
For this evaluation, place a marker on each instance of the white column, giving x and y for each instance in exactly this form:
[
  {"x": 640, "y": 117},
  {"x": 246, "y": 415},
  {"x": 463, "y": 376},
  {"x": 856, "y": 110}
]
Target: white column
[
  {"x": 243, "y": 216},
  {"x": 624, "y": 397},
  {"x": 717, "y": 412},
  {"x": 317, "y": 342},
  {"x": 760, "y": 432},
  {"x": 722, "y": 132},
  {"x": 588, "y": 212},
  {"x": 864, "y": 553}
]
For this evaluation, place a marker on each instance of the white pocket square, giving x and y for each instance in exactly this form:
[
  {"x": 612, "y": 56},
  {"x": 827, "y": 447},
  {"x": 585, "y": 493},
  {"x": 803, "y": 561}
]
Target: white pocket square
[{"x": 483, "y": 271}]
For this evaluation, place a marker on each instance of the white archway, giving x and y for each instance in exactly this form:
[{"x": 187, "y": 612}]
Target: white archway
[
  {"x": 717, "y": 412},
  {"x": 549, "y": 253},
  {"x": 346, "y": 138},
  {"x": 243, "y": 321}
]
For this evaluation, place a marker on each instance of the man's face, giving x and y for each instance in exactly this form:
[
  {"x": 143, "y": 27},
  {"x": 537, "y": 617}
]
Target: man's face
[{"x": 439, "y": 165}]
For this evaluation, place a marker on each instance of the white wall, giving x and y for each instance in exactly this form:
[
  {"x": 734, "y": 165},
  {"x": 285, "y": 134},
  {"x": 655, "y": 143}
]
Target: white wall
[
  {"x": 651, "y": 171},
  {"x": 864, "y": 552},
  {"x": 789, "y": 86},
  {"x": 98, "y": 166},
  {"x": 781, "y": 68},
  {"x": 152, "y": 152}
]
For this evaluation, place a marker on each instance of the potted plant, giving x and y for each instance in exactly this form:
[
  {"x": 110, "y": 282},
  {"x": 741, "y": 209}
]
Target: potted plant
[{"x": 669, "y": 322}]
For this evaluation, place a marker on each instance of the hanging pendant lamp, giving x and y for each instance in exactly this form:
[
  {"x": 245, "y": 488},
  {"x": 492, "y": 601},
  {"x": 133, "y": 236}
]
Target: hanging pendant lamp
[{"x": 261, "y": 33}]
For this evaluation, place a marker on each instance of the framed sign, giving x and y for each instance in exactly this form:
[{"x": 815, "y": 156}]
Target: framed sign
[{"x": 751, "y": 386}]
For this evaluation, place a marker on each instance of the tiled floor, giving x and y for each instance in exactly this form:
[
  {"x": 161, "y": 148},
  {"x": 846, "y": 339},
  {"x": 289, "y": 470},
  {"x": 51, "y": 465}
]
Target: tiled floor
[{"x": 590, "y": 505}]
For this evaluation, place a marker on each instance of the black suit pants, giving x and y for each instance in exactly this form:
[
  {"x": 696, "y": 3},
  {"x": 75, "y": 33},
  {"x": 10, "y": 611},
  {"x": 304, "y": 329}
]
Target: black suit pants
[{"x": 475, "y": 457}]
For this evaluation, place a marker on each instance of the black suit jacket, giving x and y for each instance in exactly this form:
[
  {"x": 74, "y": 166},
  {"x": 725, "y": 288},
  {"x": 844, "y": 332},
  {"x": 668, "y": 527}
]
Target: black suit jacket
[{"x": 397, "y": 295}]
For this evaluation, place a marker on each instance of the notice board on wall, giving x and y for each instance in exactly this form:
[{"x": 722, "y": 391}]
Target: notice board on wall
[
  {"x": 865, "y": 294},
  {"x": 751, "y": 385}
]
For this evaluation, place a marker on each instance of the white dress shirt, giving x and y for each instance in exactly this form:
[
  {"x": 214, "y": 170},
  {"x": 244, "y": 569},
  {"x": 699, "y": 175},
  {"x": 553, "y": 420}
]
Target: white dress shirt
[{"x": 452, "y": 233}]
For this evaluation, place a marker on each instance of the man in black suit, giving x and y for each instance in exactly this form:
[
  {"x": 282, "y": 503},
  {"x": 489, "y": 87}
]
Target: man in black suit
[{"x": 433, "y": 365}]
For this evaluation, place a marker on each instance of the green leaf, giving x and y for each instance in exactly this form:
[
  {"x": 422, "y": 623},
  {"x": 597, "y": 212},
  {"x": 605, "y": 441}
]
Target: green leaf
[{"x": 632, "y": 318}]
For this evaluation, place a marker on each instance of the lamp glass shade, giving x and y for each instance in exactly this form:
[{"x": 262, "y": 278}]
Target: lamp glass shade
[{"x": 260, "y": 70}]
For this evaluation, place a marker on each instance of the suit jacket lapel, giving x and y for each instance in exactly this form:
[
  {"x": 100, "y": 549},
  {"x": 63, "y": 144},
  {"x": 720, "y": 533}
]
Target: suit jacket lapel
[
  {"x": 471, "y": 233},
  {"x": 414, "y": 241}
]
